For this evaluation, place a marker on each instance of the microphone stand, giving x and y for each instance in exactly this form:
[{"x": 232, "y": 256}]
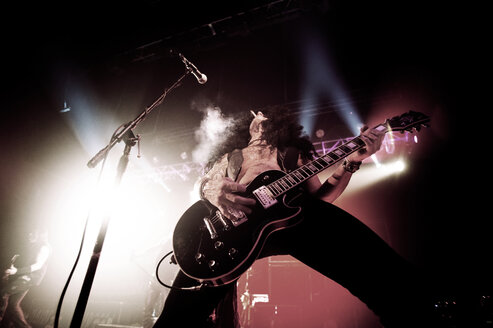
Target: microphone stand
[{"x": 129, "y": 138}]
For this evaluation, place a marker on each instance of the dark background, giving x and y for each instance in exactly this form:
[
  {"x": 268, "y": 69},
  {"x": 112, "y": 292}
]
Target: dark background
[{"x": 427, "y": 56}]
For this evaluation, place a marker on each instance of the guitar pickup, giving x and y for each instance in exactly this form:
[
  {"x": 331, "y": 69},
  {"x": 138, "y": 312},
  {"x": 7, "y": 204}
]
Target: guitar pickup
[{"x": 265, "y": 197}]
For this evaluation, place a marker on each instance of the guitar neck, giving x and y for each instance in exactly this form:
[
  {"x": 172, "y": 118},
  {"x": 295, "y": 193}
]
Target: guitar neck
[{"x": 305, "y": 172}]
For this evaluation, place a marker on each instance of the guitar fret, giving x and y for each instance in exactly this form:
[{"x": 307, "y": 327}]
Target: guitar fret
[
  {"x": 287, "y": 181},
  {"x": 312, "y": 167},
  {"x": 352, "y": 144},
  {"x": 298, "y": 180},
  {"x": 345, "y": 149},
  {"x": 326, "y": 159},
  {"x": 272, "y": 190},
  {"x": 318, "y": 161},
  {"x": 333, "y": 156},
  {"x": 302, "y": 170},
  {"x": 339, "y": 152},
  {"x": 292, "y": 180},
  {"x": 275, "y": 191},
  {"x": 298, "y": 175},
  {"x": 283, "y": 183},
  {"x": 357, "y": 141}
]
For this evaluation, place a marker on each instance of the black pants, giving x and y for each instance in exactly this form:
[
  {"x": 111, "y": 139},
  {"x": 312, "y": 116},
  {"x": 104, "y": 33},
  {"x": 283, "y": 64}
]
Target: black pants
[{"x": 339, "y": 246}]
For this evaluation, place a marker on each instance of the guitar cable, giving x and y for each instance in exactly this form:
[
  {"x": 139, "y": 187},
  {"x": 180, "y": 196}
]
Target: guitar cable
[
  {"x": 82, "y": 242},
  {"x": 194, "y": 288}
]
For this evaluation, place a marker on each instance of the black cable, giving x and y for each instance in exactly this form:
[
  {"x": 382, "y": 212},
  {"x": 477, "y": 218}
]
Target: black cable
[
  {"x": 65, "y": 287},
  {"x": 194, "y": 288},
  {"x": 60, "y": 302}
]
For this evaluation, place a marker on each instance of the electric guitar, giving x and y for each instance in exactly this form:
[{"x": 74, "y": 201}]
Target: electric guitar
[
  {"x": 6, "y": 277},
  {"x": 215, "y": 250}
]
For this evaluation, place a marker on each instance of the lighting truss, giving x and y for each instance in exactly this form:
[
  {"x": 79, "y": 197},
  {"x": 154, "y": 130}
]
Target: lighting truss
[{"x": 240, "y": 23}]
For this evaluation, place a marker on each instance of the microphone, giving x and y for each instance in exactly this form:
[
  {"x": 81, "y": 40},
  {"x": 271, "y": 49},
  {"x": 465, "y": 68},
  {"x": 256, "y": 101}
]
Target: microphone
[{"x": 201, "y": 78}]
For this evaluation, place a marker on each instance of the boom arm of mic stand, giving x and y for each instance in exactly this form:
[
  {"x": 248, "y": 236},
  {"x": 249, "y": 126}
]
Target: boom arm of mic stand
[{"x": 131, "y": 125}]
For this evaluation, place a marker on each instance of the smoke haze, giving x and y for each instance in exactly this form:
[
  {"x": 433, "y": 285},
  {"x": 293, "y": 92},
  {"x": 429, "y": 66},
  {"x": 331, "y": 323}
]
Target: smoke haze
[{"x": 214, "y": 128}]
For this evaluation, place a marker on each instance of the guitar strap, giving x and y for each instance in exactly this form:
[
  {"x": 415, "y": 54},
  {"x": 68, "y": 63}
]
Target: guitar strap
[{"x": 287, "y": 160}]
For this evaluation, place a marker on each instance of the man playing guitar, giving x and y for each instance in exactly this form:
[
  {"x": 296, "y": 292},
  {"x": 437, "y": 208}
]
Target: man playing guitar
[{"x": 327, "y": 239}]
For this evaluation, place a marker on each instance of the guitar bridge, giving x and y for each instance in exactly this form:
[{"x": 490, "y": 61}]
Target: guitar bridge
[
  {"x": 265, "y": 197},
  {"x": 236, "y": 221}
]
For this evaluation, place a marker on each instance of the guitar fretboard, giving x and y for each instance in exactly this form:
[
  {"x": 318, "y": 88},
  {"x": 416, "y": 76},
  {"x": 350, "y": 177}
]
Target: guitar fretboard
[{"x": 303, "y": 173}]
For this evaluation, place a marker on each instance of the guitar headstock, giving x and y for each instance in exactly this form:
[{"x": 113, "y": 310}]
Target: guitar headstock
[{"x": 408, "y": 122}]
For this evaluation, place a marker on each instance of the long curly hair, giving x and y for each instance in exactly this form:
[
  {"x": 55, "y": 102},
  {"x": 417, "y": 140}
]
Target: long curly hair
[{"x": 281, "y": 130}]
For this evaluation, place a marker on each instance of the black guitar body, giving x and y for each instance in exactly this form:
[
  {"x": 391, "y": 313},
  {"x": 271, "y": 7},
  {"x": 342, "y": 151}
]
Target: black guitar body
[{"x": 219, "y": 254}]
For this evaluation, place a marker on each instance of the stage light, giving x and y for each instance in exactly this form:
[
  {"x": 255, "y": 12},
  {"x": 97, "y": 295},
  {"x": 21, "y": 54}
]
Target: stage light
[
  {"x": 142, "y": 217},
  {"x": 375, "y": 160},
  {"x": 321, "y": 82},
  {"x": 371, "y": 174},
  {"x": 65, "y": 108},
  {"x": 394, "y": 167}
]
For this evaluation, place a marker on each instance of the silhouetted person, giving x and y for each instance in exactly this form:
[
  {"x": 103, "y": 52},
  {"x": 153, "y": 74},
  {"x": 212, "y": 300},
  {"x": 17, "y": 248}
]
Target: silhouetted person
[{"x": 28, "y": 269}]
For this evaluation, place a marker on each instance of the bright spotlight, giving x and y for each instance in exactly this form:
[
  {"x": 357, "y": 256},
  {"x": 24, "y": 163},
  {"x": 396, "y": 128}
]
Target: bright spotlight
[
  {"x": 375, "y": 159},
  {"x": 371, "y": 174},
  {"x": 394, "y": 167}
]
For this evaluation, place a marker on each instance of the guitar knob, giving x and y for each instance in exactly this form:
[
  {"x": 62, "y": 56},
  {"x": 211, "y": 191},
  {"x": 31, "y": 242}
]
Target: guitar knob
[
  {"x": 212, "y": 265},
  {"x": 199, "y": 257},
  {"x": 218, "y": 245},
  {"x": 232, "y": 253}
]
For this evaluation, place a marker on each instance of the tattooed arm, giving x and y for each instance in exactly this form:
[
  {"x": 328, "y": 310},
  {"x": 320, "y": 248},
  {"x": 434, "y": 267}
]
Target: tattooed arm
[{"x": 221, "y": 191}]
